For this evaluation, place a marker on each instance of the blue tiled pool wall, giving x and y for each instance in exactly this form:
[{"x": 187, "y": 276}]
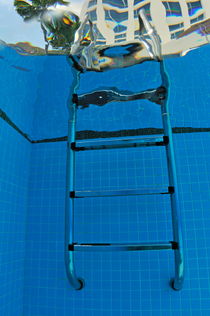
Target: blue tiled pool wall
[
  {"x": 18, "y": 86},
  {"x": 14, "y": 171},
  {"x": 124, "y": 283},
  {"x": 16, "y": 94},
  {"x": 118, "y": 283}
]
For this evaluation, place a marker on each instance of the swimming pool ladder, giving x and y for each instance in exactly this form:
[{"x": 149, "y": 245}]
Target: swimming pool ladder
[{"x": 73, "y": 146}]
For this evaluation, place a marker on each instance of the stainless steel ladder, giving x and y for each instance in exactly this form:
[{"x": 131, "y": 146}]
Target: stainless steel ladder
[{"x": 172, "y": 189}]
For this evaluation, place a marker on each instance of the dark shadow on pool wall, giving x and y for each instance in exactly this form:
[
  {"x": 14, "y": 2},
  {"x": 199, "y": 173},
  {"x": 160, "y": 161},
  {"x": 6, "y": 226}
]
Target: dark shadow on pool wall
[
  {"x": 90, "y": 134},
  {"x": 6, "y": 118}
]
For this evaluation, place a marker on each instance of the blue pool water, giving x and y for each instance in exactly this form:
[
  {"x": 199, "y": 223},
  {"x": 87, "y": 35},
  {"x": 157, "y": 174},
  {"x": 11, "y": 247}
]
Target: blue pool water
[{"x": 33, "y": 124}]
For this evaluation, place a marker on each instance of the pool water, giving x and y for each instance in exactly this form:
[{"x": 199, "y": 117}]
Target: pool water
[{"x": 34, "y": 96}]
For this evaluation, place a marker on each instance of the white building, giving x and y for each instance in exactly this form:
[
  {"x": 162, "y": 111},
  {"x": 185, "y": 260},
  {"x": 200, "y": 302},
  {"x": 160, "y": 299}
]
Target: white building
[{"x": 116, "y": 23}]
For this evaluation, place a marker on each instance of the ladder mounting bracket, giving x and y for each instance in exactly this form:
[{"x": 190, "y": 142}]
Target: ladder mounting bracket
[
  {"x": 72, "y": 194},
  {"x": 75, "y": 98}
]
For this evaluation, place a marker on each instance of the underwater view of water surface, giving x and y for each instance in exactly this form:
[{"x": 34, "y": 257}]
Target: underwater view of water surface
[{"x": 119, "y": 94}]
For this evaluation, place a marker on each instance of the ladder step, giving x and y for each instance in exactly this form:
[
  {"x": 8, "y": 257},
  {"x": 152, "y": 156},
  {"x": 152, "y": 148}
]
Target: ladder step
[
  {"x": 107, "y": 193},
  {"x": 120, "y": 143},
  {"x": 123, "y": 247}
]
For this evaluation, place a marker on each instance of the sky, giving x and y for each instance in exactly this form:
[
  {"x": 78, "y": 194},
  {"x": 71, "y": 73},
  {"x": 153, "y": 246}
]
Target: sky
[{"x": 13, "y": 29}]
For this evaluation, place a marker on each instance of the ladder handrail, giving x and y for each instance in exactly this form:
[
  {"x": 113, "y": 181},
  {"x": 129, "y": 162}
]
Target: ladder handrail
[
  {"x": 76, "y": 283},
  {"x": 172, "y": 176}
]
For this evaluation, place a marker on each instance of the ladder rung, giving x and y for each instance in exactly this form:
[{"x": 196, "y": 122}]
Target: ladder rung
[
  {"x": 120, "y": 143},
  {"x": 107, "y": 193},
  {"x": 123, "y": 247}
]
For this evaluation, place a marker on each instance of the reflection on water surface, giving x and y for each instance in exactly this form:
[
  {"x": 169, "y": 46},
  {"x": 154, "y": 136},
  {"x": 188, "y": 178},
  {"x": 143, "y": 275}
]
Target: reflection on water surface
[{"x": 110, "y": 34}]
